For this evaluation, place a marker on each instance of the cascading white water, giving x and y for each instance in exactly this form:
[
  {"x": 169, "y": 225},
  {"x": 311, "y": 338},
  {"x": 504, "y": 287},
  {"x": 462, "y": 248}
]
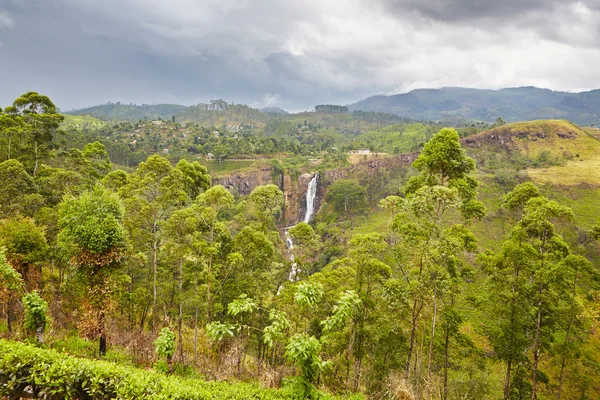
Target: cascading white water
[
  {"x": 290, "y": 245},
  {"x": 311, "y": 195}
]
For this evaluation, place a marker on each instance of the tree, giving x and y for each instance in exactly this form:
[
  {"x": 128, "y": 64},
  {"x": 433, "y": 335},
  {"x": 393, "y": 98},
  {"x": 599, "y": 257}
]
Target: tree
[
  {"x": 92, "y": 234},
  {"x": 10, "y": 283},
  {"x": 443, "y": 159},
  {"x": 41, "y": 119},
  {"x": 346, "y": 195},
  {"x": 25, "y": 247},
  {"x": 306, "y": 245},
  {"x": 509, "y": 302},
  {"x": 11, "y": 127},
  {"x": 198, "y": 178},
  {"x": 530, "y": 277},
  {"x": 212, "y": 235},
  {"x": 155, "y": 190},
  {"x": 428, "y": 243},
  {"x": 18, "y": 186},
  {"x": 269, "y": 201},
  {"x": 97, "y": 161},
  {"x": 549, "y": 274}
]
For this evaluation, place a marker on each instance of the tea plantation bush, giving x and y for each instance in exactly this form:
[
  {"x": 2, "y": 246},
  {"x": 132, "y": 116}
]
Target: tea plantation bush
[{"x": 26, "y": 370}]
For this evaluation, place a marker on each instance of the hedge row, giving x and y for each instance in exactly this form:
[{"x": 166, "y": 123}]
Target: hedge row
[{"x": 28, "y": 371}]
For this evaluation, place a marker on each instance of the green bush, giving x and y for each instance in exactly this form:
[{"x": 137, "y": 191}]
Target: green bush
[
  {"x": 52, "y": 375},
  {"x": 35, "y": 318}
]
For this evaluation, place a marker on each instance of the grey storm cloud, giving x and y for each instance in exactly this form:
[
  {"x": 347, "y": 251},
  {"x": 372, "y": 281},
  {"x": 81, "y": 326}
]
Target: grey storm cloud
[{"x": 289, "y": 53}]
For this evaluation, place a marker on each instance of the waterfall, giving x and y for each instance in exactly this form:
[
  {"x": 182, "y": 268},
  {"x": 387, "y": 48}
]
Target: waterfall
[
  {"x": 290, "y": 245},
  {"x": 311, "y": 195}
]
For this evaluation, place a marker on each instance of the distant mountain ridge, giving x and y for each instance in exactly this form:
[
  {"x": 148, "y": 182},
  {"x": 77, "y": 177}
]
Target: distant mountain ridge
[
  {"x": 512, "y": 104},
  {"x": 447, "y": 104}
]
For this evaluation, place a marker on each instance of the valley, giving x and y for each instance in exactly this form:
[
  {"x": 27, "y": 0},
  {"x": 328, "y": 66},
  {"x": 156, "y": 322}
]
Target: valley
[{"x": 327, "y": 254}]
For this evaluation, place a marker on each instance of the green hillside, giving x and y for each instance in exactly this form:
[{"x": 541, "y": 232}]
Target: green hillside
[
  {"x": 131, "y": 112},
  {"x": 82, "y": 122},
  {"x": 557, "y": 152}
]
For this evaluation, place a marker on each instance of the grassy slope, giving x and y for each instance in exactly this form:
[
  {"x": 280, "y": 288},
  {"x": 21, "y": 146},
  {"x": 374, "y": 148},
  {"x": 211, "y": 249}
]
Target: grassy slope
[
  {"x": 576, "y": 151},
  {"x": 82, "y": 121},
  {"x": 397, "y": 138}
]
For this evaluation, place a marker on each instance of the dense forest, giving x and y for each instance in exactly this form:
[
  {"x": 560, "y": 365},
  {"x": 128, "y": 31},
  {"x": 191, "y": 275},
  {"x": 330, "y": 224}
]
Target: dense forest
[{"x": 468, "y": 273}]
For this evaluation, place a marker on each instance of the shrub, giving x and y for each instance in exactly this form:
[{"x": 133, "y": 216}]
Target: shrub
[
  {"x": 52, "y": 375},
  {"x": 164, "y": 346},
  {"x": 35, "y": 318}
]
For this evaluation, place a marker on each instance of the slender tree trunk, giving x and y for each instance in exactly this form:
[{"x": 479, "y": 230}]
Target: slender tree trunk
[
  {"x": 102, "y": 324},
  {"x": 180, "y": 319},
  {"x": 35, "y": 168},
  {"x": 536, "y": 345},
  {"x": 196, "y": 321},
  {"x": 413, "y": 333},
  {"x": 154, "y": 273},
  {"x": 561, "y": 377},
  {"x": 446, "y": 347},
  {"x": 9, "y": 143},
  {"x": 563, "y": 362},
  {"x": 507, "y": 379},
  {"x": 208, "y": 279},
  {"x": 9, "y": 314},
  {"x": 432, "y": 339}
]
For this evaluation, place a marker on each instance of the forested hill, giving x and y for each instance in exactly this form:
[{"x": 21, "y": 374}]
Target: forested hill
[
  {"x": 130, "y": 112},
  {"x": 512, "y": 104}
]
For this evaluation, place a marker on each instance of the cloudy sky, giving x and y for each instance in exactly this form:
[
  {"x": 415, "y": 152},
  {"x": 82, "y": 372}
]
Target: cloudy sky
[{"x": 291, "y": 54}]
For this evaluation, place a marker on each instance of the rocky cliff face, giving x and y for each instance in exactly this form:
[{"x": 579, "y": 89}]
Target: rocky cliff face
[
  {"x": 242, "y": 183},
  {"x": 294, "y": 190}
]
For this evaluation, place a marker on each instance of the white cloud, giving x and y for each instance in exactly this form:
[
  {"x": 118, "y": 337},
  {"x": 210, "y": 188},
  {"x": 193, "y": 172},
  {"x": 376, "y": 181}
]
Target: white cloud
[{"x": 5, "y": 20}]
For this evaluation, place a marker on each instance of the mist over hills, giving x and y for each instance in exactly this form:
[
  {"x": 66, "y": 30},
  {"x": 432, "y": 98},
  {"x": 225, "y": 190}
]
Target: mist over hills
[{"x": 449, "y": 103}]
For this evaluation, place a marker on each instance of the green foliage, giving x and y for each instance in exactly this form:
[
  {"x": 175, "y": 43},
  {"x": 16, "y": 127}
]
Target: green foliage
[
  {"x": 164, "y": 345},
  {"x": 241, "y": 305},
  {"x": 345, "y": 308},
  {"x": 17, "y": 186},
  {"x": 35, "y": 317},
  {"x": 268, "y": 198},
  {"x": 276, "y": 331},
  {"x": 442, "y": 158},
  {"x": 398, "y": 300},
  {"x": 308, "y": 294},
  {"x": 91, "y": 224},
  {"x": 218, "y": 331},
  {"x": 347, "y": 195},
  {"x": 303, "y": 350},
  {"x": 10, "y": 279},
  {"x": 24, "y": 242},
  {"x": 49, "y": 373},
  {"x": 520, "y": 195}
]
